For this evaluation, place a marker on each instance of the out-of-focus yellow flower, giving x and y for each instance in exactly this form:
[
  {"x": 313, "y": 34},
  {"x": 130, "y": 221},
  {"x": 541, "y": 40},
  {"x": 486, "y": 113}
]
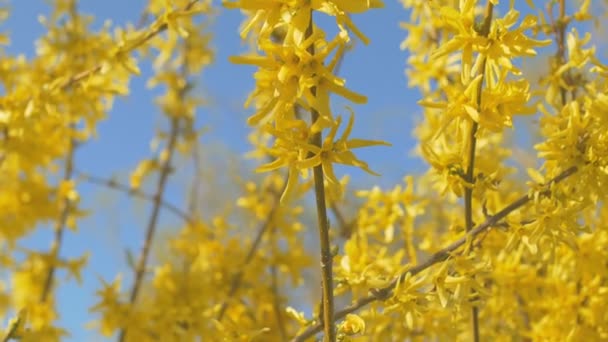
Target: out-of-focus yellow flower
[{"x": 353, "y": 324}]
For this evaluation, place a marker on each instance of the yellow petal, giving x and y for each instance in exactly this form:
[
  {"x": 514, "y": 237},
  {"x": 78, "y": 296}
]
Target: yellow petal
[
  {"x": 292, "y": 182},
  {"x": 276, "y": 164},
  {"x": 357, "y": 143},
  {"x": 347, "y": 94}
]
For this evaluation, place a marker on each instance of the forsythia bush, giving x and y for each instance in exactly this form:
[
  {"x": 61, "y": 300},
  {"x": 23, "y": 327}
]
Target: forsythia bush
[{"x": 468, "y": 251}]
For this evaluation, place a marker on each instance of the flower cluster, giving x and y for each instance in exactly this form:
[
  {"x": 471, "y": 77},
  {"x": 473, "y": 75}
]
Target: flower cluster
[{"x": 297, "y": 72}]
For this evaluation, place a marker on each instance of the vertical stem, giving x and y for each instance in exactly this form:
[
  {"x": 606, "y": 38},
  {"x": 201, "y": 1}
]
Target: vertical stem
[
  {"x": 59, "y": 225},
  {"x": 470, "y": 175},
  {"x": 68, "y": 173},
  {"x": 11, "y": 332},
  {"x": 193, "y": 201},
  {"x": 165, "y": 171},
  {"x": 142, "y": 261},
  {"x": 561, "y": 45},
  {"x": 236, "y": 282},
  {"x": 276, "y": 300},
  {"x": 323, "y": 222}
]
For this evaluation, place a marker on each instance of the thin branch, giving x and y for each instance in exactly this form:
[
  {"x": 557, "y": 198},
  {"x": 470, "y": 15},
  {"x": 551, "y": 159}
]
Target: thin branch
[
  {"x": 443, "y": 254},
  {"x": 152, "y": 224},
  {"x": 112, "y": 184},
  {"x": 68, "y": 174},
  {"x": 559, "y": 29},
  {"x": 60, "y": 224},
  {"x": 276, "y": 304},
  {"x": 236, "y": 282},
  {"x": 157, "y": 27},
  {"x": 470, "y": 175},
  {"x": 524, "y": 315},
  {"x": 165, "y": 171},
  {"x": 323, "y": 220},
  {"x": 345, "y": 227},
  {"x": 193, "y": 206},
  {"x": 11, "y": 332}
]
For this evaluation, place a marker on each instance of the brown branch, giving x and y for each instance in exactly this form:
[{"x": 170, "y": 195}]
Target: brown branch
[
  {"x": 524, "y": 315},
  {"x": 165, "y": 170},
  {"x": 322, "y": 220},
  {"x": 470, "y": 175},
  {"x": 11, "y": 332},
  {"x": 112, "y": 184},
  {"x": 68, "y": 172},
  {"x": 193, "y": 205},
  {"x": 276, "y": 304},
  {"x": 345, "y": 227},
  {"x": 60, "y": 224},
  {"x": 238, "y": 277},
  {"x": 152, "y": 223},
  {"x": 443, "y": 254},
  {"x": 559, "y": 29}
]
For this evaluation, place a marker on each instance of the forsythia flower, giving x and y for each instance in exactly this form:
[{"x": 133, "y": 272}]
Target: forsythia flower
[{"x": 296, "y": 72}]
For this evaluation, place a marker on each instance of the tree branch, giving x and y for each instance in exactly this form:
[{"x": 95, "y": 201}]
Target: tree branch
[
  {"x": 112, "y": 184},
  {"x": 238, "y": 277},
  {"x": 443, "y": 254},
  {"x": 322, "y": 220},
  {"x": 155, "y": 28},
  {"x": 276, "y": 296},
  {"x": 13, "y": 327},
  {"x": 152, "y": 223},
  {"x": 60, "y": 224},
  {"x": 470, "y": 175}
]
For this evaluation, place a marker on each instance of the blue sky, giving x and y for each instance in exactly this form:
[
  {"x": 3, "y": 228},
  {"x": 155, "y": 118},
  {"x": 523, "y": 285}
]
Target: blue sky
[{"x": 123, "y": 139}]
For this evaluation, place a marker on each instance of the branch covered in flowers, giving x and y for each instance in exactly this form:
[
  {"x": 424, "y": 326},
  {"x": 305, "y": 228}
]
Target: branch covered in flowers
[{"x": 441, "y": 255}]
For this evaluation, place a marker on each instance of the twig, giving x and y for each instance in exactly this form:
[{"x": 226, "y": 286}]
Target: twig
[
  {"x": 60, "y": 224},
  {"x": 525, "y": 317},
  {"x": 323, "y": 220},
  {"x": 345, "y": 227},
  {"x": 12, "y": 329},
  {"x": 276, "y": 304},
  {"x": 65, "y": 205},
  {"x": 559, "y": 29},
  {"x": 143, "y": 38},
  {"x": 165, "y": 170},
  {"x": 152, "y": 224},
  {"x": 112, "y": 184},
  {"x": 238, "y": 277},
  {"x": 443, "y": 254},
  {"x": 193, "y": 207},
  {"x": 470, "y": 175}
]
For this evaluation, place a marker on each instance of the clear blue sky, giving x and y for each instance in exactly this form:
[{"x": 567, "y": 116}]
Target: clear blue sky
[{"x": 376, "y": 70}]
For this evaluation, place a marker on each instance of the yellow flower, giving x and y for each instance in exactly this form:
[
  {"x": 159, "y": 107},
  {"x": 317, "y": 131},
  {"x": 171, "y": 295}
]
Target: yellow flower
[
  {"x": 338, "y": 151},
  {"x": 288, "y": 73},
  {"x": 353, "y": 324},
  {"x": 309, "y": 156}
]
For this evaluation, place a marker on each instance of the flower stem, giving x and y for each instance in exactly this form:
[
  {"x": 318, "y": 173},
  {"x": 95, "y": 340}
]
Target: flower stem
[
  {"x": 66, "y": 204},
  {"x": 112, "y": 184},
  {"x": 276, "y": 295},
  {"x": 470, "y": 175},
  {"x": 59, "y": 225},
  {"x": 142, "y": 261},
  {"x": 236, "y": 282},
  {"x": 323, "y": 222}
]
